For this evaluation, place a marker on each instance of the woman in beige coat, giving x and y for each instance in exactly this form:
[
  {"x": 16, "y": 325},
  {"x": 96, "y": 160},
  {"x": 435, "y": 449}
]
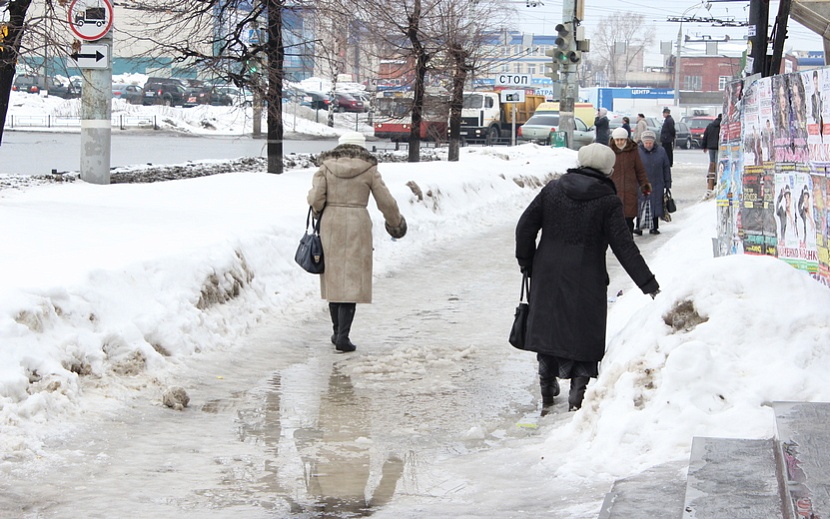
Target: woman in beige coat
[{"x": 340, "y": 191}]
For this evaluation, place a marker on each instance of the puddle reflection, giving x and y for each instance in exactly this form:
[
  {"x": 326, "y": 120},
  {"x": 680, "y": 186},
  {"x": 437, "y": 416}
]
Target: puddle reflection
[{"x": 336, "y": 453}]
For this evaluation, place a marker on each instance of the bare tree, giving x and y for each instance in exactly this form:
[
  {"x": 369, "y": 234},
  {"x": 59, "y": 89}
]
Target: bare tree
[
  {"x": 619, "y": 40},
  {"x": 466, "y": 27}
]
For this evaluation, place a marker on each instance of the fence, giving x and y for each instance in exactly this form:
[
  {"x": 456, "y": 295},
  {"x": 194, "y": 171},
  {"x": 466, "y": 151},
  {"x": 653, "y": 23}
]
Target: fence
[{"x": 121, "y": 121}]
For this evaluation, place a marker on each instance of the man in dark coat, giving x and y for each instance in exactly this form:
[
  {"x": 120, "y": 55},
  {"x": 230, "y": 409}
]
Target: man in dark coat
[
  {"x": 579, "y": 215},
  {"x": 667, "y": 135},
  {"x": 711, "y": 143},
  {"x": 601, "y": 129}
]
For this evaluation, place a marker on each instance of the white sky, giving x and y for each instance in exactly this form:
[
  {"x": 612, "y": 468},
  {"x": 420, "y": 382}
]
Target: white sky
[
  {"x": 124, "y": 269},
  {"x": 543, "y": 19}
]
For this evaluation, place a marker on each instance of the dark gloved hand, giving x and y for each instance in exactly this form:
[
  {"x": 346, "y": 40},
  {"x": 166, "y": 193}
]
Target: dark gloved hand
[
  {"x": 526, "y": 270},
  {"x": 646, "y": 189},
  {"x": 399, "y": 231},
  {"x": 654, "y": 294}
]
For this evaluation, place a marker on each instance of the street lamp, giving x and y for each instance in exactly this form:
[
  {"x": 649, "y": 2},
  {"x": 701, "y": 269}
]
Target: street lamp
[{"x": 677, "y": 58}]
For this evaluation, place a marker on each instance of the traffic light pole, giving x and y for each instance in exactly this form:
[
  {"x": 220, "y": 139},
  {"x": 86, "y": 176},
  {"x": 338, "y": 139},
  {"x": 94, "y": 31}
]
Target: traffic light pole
[{"x": 569, "y": 90}]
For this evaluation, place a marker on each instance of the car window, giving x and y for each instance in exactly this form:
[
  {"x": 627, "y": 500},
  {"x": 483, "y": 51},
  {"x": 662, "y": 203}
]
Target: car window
[
  {"x": 580, "y": 125},
  {"x": 699, "y": 123},
  {"x": 544, "y": 120}
]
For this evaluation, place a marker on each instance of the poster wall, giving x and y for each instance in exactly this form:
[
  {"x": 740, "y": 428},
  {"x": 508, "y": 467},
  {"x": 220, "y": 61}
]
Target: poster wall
[{"x": 773, "y": 190}]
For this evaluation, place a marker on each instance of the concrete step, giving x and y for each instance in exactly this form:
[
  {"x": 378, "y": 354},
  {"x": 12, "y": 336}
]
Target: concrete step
[
  {"x": 803, "y": 438},
  {"x": 732, "y": 478},
  {"x": 649, "y": 494}
]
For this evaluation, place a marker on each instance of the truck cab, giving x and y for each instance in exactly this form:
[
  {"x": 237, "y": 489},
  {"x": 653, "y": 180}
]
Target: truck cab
[{"x": 484, "y": 118}]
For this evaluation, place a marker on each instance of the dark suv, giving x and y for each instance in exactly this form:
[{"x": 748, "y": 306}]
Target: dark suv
[
  {"x": 164, "y": 91},
  {"x": 29, "y": 83}
]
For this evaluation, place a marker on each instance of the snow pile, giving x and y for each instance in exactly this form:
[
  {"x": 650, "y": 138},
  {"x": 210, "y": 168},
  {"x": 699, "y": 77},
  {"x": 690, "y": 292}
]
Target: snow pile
[{"x": 134, "y": 277}]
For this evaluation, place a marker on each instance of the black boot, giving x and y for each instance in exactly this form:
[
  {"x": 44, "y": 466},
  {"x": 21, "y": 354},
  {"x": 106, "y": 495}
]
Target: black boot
[
  {"x": 334, "y": 310},
  {"x": 550, "y": 389},
  {"x": 577, "y": 392},
  {"x": 345, "y": 316}
]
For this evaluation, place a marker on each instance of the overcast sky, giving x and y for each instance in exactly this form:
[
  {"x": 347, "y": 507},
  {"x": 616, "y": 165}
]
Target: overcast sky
[{"x": 542, "y": 19}]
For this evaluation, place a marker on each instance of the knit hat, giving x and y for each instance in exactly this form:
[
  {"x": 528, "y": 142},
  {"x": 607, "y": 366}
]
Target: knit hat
[
  {"x": 619, "y": 133},
  {"x": 355, "y": 138},
  {"x": 648, "y": 135},
  {"x": 597, "y": 156}
]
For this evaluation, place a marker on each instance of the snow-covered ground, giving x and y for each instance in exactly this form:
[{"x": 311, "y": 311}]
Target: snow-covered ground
[{"x": 109, "y": 290}]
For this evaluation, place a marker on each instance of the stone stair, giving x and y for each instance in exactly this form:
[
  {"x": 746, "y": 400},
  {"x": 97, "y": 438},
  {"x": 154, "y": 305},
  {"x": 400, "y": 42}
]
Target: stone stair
[{"x": 785, "y": 477}]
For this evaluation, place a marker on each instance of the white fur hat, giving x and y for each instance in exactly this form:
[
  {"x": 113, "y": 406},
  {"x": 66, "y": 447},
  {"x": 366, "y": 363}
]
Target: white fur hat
[
  {"x": 355, "y": 138},
  {"x": 619, "y": 133},
  {"x": 597, "y": 156}
]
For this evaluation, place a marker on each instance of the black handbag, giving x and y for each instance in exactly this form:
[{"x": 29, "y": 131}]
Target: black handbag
[
  {"x": 519, "y": 330},
  {"x": 668, "y": 202},
  {"x": 310, "y": 251}
]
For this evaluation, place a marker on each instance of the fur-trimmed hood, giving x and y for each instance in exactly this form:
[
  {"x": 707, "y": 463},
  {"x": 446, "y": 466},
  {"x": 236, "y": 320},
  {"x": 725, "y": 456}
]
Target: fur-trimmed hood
[{"x": 347, "y": 160}]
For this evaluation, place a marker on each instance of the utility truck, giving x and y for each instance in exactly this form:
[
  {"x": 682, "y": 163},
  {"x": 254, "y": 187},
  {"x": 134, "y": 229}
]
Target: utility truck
[{"x": 484, "y": 118}]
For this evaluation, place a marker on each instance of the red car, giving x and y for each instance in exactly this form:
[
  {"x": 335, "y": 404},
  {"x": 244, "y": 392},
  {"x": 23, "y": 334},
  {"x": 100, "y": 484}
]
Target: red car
[
  {"x": 697, "y": 125},
  {"x": 347, "y": 103}
]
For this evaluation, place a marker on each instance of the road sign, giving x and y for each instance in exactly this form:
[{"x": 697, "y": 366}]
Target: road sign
[
  {"x": 90, "y": 20},
  {"x": 512, "y": 96},
  {"x": 90, "y": 56},
  {"x": 514, "y": 80}
]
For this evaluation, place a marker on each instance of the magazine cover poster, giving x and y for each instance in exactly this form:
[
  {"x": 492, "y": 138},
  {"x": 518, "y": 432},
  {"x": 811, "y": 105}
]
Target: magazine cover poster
[
  {"x": 782, "y": 139},
  {"x": 732, "y": 108},
  {"x": 752, "y": 211},
  {"x": 795, "y": 218},
  {"x": 763, "y": 94},
  {"x": 798, "y": 117},
  {"x": 820, "y": 188}
]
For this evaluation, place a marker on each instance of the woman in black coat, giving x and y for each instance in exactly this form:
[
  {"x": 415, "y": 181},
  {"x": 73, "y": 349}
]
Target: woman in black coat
[{"x": 579, "y": 215}]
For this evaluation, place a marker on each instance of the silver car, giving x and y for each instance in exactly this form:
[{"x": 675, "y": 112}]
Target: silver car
[{"x": 539, "y": 127}]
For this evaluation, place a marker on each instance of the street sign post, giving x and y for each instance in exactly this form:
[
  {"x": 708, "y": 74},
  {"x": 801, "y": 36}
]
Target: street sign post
[
  {"x": 90, "y": 23},
  {"x": 513, "y": 80},
  {"x": 90, "y": 56},
  {"x": 512, "y": 96}
]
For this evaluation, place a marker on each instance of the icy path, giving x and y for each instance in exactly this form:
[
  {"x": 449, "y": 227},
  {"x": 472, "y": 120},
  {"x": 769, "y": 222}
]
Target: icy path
[{"x": 289, "y": 428}]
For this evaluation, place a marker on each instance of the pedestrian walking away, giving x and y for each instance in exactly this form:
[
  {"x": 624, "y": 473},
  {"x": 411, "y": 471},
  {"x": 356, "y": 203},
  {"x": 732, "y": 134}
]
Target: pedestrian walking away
[
  {"x": 601, "y": 127},
  {"x": 626, "y": 124},
  {"x": 711, "y": 143},
  {"x": 579, "y": 216},
  {"x": 667, "y": 135},
  {"x": 639, "y": 128},
  {"x": 629, "y": 177},
  {"x": 656, "y": 164},
  {"x": 340, "y": 191}
]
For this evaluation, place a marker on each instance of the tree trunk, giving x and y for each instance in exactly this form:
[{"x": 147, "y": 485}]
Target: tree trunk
[
  {"x": 421, "y": 59},
  {"x": 276, "y": 58},
  {"x": 8, "y": 57},
  {"x": 459, "y": 78}
]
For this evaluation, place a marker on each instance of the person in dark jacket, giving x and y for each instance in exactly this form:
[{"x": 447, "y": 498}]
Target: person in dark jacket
[
  {"x": 667, "y": 135},
  {"x": 711, "y": 143},
  {"x": 579, "y": 215},
  {"x": 656, "y": 164},
  {"x": 601, "y": 127},
  {"x": 626, "y": 125}
]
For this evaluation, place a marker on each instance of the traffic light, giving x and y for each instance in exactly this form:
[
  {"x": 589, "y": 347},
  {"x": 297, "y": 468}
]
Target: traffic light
[
  {"x": 251, "y": 65},
  {"x": 553, "y": 64},
  {"x": 565, "y": 52}
]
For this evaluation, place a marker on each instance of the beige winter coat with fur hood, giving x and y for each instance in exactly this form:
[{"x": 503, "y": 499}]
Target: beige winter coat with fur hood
[{"x": 341, "y": 188}]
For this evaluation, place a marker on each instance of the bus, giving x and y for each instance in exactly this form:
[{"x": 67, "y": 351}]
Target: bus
[{"x": 393, "y": 115}]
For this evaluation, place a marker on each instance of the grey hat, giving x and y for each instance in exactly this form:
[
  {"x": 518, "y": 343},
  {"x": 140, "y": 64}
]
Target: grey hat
[
  {"x": 619, "y": 133},
  {"x": 597, "y": 156},
  {"x": 648, "y": 134}
]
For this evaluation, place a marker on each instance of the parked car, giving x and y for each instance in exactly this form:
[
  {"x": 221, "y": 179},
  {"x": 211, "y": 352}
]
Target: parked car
[
  {"x": 652, "y": 123},
  {"x": 348, "y": 103},
  {"x": 697, "y": 125},
  {"x": 316, "y": 100},
  {"x": 164, "y": 91},
  {"x": 58, "y": 88},
  {"x": 29, "y": 83},
  {"x": 683, "y": 136},
  {"x": 539, "y": 127},
  {"x": 133, "y": 94},
  {"x": 207, "y": 95},
  {"x": 238, "y": 96}
]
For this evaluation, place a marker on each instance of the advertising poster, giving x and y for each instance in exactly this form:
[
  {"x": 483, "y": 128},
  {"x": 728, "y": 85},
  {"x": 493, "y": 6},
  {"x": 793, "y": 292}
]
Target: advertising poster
[
  {"x": 753, "y": 142},
  {"x": 782, "y": 138},
  {"x": 798, "y": 117},
  {"x": 820, "y": 194},
  {"x": 795, "y": 218},
  {"x": 814, "y": 79}
]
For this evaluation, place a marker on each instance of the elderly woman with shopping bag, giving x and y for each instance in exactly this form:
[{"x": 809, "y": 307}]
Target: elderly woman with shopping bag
[{"x": 656, "y": 163}]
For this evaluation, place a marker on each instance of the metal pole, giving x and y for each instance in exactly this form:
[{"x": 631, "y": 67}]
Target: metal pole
[
  {"x": 96, "y": 121},
  {"x": 677, "y": 66},
  {"x": 513, "y": 125},
  {"x": 569, "y": 92}
]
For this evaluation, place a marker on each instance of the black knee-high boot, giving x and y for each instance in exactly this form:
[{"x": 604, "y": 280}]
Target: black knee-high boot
[
  {"x": 577, "y": 392},
  {"x": 548, "y": 369},
  {"x": 334, "y": 309},
  {"x": 345, "y": 316}
]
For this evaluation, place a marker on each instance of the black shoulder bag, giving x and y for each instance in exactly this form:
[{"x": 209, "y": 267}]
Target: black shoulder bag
[
  {"x": 519, "y": 330},
  {"x": 309, "y": 253}
]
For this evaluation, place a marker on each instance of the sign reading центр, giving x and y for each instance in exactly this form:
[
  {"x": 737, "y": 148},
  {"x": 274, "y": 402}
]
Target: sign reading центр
[{"x": 90, "y": 20}]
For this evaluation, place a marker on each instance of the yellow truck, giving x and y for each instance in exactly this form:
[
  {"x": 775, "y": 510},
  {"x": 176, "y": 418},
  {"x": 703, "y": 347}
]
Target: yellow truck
[
  {"x": 584, "y": 111},
  {"x": 484, "y": 118}
]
